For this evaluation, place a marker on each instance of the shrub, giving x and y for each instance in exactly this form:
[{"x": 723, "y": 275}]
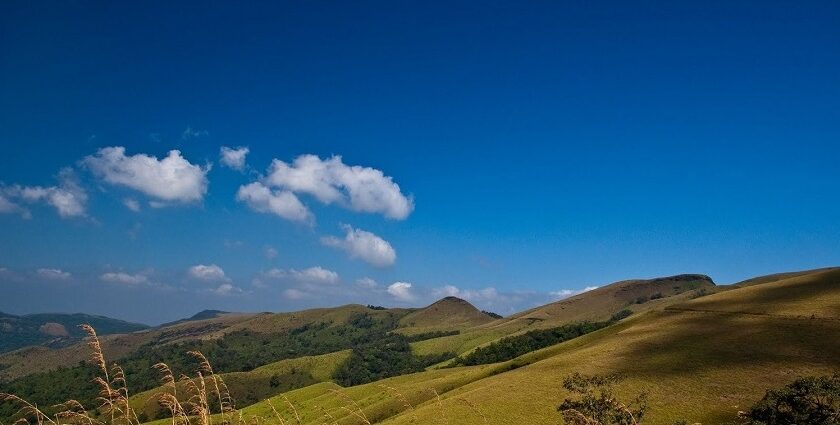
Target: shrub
[
  {"x": 809, "y": 400},
  {"x": 620, "y": 315},
  {"x": 596, "y": 403},
  {"x": 491, "y": 314}
]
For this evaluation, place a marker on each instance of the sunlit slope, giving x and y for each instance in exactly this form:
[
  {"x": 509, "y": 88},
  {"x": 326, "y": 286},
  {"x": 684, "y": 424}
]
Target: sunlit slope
[
  {"x": 447, "y": 314},
  {"x": 258, "y": 384},
  {"x": 702, "y": 360},
  {"x": 595, "y": 305}
]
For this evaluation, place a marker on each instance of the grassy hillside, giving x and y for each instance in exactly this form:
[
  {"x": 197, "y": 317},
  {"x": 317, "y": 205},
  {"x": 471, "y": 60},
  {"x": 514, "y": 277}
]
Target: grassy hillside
[
  {"x": 699, "y": 359},
  {"x": 596, "y": 305},
  {"x": 55, "y": 329},
  {"x": 256, "y": 385},
  {"x": 701, "y": 352},
  {"x": 447, "y": 314}
]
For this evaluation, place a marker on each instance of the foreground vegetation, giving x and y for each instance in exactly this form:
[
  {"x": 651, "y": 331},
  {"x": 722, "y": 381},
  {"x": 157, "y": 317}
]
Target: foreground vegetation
[{"x": 812, "y": 401}]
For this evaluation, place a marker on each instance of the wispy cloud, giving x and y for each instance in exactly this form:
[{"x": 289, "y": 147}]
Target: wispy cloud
[{"x": 53, "y": 274}]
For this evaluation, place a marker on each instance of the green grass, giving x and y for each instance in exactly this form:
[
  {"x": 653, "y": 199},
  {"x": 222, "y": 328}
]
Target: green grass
[{"x": 700, "y": 360}]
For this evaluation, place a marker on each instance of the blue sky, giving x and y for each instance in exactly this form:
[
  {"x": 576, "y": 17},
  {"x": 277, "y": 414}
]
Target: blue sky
[{"x": 506, "y": 153}]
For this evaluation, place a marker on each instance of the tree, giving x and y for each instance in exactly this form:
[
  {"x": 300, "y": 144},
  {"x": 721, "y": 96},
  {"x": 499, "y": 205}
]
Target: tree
[
  {"x": 596, "y": 403},
  {"x": 809, "y": 400}
]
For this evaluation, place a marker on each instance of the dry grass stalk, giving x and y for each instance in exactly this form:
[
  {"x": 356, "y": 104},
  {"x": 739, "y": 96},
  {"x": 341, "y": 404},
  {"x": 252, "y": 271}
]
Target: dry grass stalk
[
  {"x": 356, "y": 410},
  {"x": 276, "y": 413},
  {"x": 441, "y": 410},
  {"x": 291, "y": 407},
  {"x": 474, "y": 409},
  {"x": 27, "y": 410},
  {"x": 331, "y": 418},
  {"x": 396, "y": 393}
]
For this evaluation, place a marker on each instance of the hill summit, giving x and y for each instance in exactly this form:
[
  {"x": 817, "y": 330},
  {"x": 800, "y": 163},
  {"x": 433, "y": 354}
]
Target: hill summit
[{"x": 445, "y": 314}]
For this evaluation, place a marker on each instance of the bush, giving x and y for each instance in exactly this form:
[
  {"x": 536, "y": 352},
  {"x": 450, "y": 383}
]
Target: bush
[
  {"x": 620, "y": 315},
  {"x": 810, "y": 400},
  {"x": 597, "y": 404},
  {"x": 656, "y": 296},
  {"x": 491, "y": 314}
]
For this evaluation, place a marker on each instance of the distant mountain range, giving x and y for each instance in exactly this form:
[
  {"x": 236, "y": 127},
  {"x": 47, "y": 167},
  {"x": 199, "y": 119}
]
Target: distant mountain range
[{"x": 55, "y": 329}]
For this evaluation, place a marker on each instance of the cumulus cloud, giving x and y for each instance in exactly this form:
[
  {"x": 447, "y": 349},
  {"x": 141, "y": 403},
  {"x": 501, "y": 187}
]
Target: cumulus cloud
[
  {"x": 68, "y": 198},
  {"x": 315, "y": 274},
  {"x": 124, "y": 278},
  {"x": 53, "y": 274},
  {"x": 233, "y": 157},
  {"x": 330, "y": 181},
  {"x": 171, "y": 179},
  {"x": 401, "y": 291},
  {"x": 208, "y": 273},
  {"x": 279, "y": 202},
  {"x": 363, "y": 245}
]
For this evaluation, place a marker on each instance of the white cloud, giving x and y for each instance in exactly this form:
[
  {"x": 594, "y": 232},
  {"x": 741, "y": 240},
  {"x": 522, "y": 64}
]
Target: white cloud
[
  {"x": 300, "y": 283},
  {"x": 472, "y": 295},
  {"x": 227, "y": 289},
  {"x": 279, "y": 202},
  {"x": 9, "y": 207},
  {"x": 565, "y": 293},
  {"x": 131, "y": 204},
  {"x": 366, "y": 282},
  {"x": 233, "y": 157},
  {"x": 208, "y": 273},
  {"x": 330, "y": 181},
  {"x": 53, "y": 274},
  {"x": 124, "y": 278},
  {"x": 311, "y": 275},
  {"x": 68, "y": 198},
  {"x": 401, "y": 291},
  {"x": 294, "y": 294},
  {"x": 365, "y": 246},
  {"x": 270, "y": 252},
  {"x": 315, "y": 274},
  {"x": 171, "y": 179}
]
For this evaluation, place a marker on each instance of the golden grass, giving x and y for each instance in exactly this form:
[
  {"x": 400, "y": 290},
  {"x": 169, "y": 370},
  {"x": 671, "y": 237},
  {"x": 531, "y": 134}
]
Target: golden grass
[{"x": 701, "y": 360}]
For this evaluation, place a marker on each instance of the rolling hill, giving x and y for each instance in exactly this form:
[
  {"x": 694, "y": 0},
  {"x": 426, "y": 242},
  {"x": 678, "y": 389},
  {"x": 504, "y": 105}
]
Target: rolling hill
[
  {"x": 54, "y": 329},
  {"x": 700, "y": 351},
  {"x": 699, "y": 359}
]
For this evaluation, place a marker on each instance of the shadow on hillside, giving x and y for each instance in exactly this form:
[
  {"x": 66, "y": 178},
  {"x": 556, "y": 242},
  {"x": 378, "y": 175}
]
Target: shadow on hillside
[
  {"x": 703, "y": 341},
  {"x": 819, "y": 289}
]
